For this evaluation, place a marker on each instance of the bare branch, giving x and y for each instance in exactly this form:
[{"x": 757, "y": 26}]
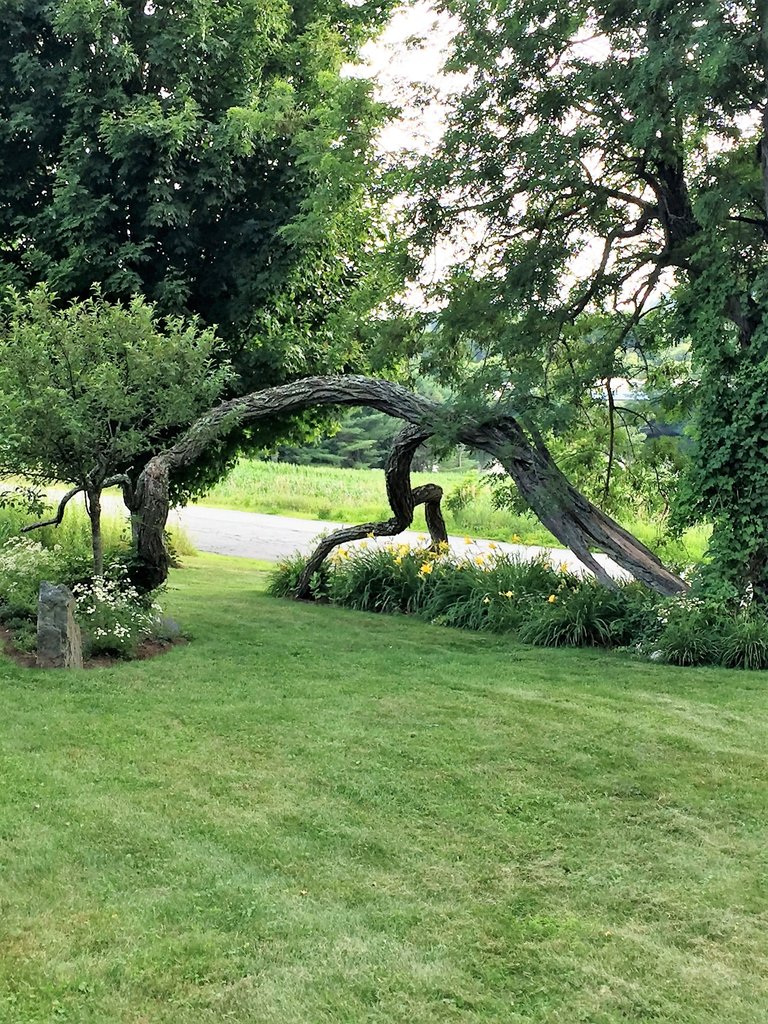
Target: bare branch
[{"x": 56, "y": 521}]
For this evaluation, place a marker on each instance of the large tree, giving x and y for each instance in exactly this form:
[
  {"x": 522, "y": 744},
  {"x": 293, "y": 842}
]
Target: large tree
[
  {"x": 210, "y": 156},
  {"x": 606, "y": 165}
]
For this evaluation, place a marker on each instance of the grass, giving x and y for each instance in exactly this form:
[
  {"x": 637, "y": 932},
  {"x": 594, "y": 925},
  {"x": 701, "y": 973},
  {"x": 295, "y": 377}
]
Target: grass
[
  {"x": 359, "y": 495},
  {"x": 312, "y": 815}
]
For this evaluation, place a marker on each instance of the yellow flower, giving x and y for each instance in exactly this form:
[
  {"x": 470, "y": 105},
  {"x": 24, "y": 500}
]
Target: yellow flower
[
  {"x": 486, "y": 600},
  {"x": 426, "y": 568},
  {"x": 370, "y": 535},
  {"x": 398, "y": 560},
  {"x": 563, "y": 567},
  {"x": 363, "y": 543},
  {"x": 467, "y": 540},
  {"x": 444, "y": 545},
  {"x": 515, "y": 538},
  {"x": 480, "y": 559},
  {"x": 552, "y": 598},
  {"x": 493, "y": 546},
  {"x": 507, "y": 593}
]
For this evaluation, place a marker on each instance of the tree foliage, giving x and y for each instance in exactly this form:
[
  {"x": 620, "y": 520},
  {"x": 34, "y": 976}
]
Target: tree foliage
[
  {"x": 210, "y": 156},
  {"x": 88, "y": 389},
  {"x": 606, "y": 166}
]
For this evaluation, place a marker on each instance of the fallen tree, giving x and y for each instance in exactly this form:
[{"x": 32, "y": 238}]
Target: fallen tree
[{"x": 568, "y": 514}]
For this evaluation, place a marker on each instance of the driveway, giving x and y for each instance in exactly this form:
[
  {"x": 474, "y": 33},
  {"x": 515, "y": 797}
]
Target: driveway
[{"x": 270, "y": 538}]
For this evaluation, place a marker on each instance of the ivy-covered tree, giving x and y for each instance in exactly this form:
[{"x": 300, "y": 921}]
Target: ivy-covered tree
[
  {"x": 606, "y": 165},
  {"x": 210, "y": 156}
]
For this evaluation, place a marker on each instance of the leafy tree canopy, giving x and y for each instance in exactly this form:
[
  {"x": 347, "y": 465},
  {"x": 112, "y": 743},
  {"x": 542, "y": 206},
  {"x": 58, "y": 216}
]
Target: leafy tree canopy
[
  {"x": 605, "y": 165},
  {"x": 207, "y": 155}
]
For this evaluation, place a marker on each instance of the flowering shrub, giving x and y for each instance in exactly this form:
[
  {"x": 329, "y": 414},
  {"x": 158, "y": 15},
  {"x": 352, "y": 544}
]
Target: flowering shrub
[
  {"x": 24, "y": 564},
  {"x": 538, "y": 601},
  {"x": 112, "y": 615}
]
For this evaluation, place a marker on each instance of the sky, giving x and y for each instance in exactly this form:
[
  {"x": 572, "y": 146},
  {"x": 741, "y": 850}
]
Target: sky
[{"x": 404, "y": 69}]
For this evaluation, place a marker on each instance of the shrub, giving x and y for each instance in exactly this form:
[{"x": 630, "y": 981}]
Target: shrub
[
  {"x": 390, "y": 579},
  {"x": 490, "y": 592},
  {"x": 691, "y": 634},
  {"x": 113, "y": 617},
  {"x": 744, "y": 642},
  {"x": 587, "y": 616}
]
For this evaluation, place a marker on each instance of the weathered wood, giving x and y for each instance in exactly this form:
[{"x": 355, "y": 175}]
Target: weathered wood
[
  {"x": 402, "y": 499},
  {"x": 568, "y": 514}
]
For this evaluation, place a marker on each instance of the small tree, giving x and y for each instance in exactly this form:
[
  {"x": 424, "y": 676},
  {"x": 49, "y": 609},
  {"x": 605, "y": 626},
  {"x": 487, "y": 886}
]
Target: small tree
[{"x": 88, "y": 389}]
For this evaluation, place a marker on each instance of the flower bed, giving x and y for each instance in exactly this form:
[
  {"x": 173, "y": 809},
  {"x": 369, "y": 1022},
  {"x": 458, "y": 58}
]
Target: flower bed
[
  {"x": 539, "y": 602},
  {"x": 116, "y": 621}
]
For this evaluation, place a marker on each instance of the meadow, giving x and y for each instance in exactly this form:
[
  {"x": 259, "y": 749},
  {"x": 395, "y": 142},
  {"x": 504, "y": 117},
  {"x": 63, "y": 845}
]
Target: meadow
[
  {"x": 309, "y": 814},
  {"x": 359, "y": 495}
]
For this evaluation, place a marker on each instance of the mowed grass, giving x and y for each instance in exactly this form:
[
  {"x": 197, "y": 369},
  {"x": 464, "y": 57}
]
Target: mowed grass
[
  {"x": 311, "y": 815},
  {"x": 359, "y": 495}
]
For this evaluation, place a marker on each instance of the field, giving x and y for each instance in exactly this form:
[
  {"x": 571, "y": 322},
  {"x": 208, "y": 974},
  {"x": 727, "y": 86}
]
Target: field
[
  {"x": 359, "y": 495},
  {"x": 310, "y": 815}
]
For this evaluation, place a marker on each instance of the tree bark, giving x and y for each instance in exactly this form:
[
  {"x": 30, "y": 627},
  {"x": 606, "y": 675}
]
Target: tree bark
[
  {"x": 97, "y": 542},
  {"x": 402, "y": 499},
  {"x": 568, "y": 514}
]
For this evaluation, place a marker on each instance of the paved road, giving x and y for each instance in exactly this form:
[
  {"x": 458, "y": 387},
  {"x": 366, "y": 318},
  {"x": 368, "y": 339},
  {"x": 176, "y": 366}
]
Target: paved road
[{"x": 253, "y": 535}]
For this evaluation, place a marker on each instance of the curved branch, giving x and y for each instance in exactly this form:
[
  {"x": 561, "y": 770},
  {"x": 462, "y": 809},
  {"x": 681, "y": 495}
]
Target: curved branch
[
  {"x": 111, "y": 481},
  {"x": 402, "y": 499},
  {"x": 568, "y": 514},
  {"x": 56, "y": 521}
]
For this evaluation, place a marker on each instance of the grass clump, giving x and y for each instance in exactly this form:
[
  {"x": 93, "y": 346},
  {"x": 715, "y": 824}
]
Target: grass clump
[{"x": 744, "y": 642}]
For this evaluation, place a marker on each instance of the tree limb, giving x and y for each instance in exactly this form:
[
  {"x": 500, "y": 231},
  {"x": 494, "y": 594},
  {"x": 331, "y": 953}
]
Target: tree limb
[
  {"x": 111, "y": 481},
  {"x": 402, "y": 500},
  {"x": 569, "y": 515},
  {"x": 56, "y": 521}
]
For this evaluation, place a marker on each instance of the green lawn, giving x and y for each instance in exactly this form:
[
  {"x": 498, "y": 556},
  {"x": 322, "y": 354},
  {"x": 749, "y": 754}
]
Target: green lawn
[{"x": 309, "y": 815}]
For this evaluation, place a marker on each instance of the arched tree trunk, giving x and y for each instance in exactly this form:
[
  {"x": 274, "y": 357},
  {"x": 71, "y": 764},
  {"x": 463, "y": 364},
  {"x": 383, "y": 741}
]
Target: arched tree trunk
[
  {"x": 402, "y": 499},
  {"x": 568, "y": 514}
]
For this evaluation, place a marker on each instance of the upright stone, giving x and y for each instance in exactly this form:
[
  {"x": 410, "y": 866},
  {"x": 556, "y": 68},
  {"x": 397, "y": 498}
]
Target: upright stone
[{"x": 59, "y": 644}]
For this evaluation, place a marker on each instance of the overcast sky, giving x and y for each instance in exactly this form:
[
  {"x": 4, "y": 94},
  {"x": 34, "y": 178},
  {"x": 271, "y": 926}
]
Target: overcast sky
[{"x": 403, "y": 69}]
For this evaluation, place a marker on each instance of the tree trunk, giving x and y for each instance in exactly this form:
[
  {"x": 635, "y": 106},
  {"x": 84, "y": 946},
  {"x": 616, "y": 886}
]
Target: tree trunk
[
  {"x": 569, "y": 515},
  {"x": 97, "y": 543},
  {"x": 402, "y": 500}
]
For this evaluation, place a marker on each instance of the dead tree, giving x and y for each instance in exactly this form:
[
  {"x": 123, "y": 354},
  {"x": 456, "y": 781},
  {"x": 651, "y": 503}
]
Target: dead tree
[{"x": 568, "y": 514}]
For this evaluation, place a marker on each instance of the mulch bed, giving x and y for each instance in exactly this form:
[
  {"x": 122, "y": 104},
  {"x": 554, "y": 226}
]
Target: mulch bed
[{"x": 149, "y": 649}]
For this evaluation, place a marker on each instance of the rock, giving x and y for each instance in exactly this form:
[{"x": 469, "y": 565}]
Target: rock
[
  {"x": 167, "y": 628},
  {"x": 59, "y": 644}
]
